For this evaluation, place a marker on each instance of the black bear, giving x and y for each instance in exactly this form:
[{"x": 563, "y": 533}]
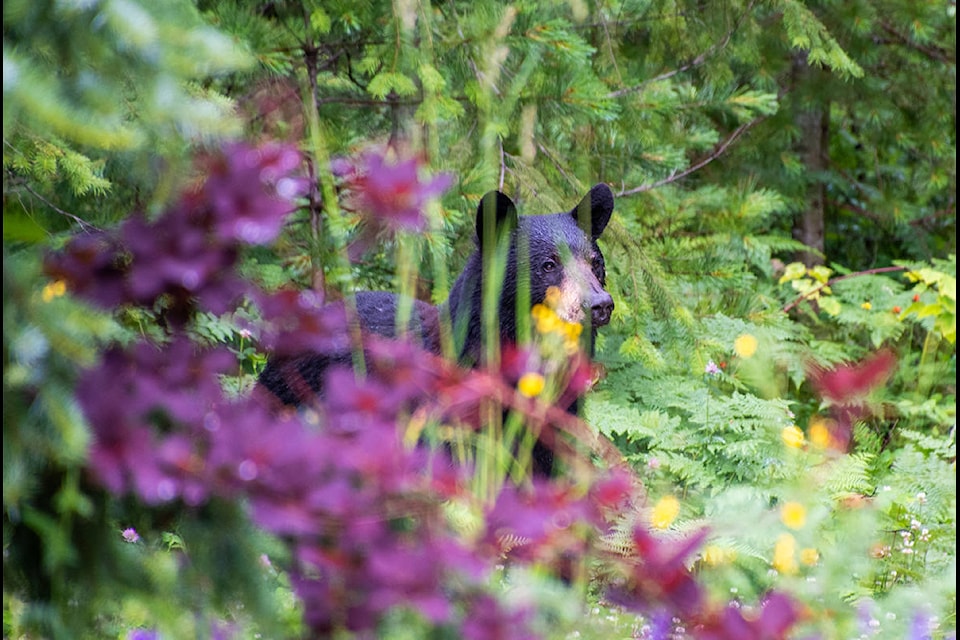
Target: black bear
[{"x": 561, "y": 251}]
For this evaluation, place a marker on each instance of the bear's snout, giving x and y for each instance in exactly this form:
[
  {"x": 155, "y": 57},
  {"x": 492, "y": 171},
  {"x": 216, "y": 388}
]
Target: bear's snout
[{"x": 601, "y": 309}]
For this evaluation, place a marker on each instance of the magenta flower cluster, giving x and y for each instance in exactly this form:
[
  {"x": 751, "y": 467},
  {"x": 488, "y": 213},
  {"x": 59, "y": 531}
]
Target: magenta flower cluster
[
  {"x": 391, "y": 195},
  {"x": 362, "y": 513}
]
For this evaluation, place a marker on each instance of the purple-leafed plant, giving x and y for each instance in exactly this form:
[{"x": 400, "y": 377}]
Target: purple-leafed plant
[{"x": 361, "y": 507}]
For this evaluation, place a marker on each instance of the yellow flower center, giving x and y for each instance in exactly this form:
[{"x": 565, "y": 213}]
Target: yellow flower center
[
  {"x": 809, "y": 556},
  {"x": 53, "y": 290},
  {"x": 715, "y": 555},
  {"x": 783, "y": 554},
  {"x": 531, "y": 384},
  {"x": 793, "y": 515},
  {"x": 745, "y": 346},
  {"x": 819, "y": 433},
  {"x": 792, "y": 436},
  {"x": 666, "y": 511}
]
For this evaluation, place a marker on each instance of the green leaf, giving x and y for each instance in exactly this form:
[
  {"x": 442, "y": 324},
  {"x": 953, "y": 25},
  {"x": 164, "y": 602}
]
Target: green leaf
[
  {"x": 820, "y": 273},
  {"x": 830, "y": 305},
  {"x": 19, "y": 227},
  {"x": 793, "y": 271}
]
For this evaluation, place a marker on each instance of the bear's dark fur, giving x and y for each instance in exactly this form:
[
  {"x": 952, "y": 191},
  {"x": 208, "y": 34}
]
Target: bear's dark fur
[
  {"x": 295, "y": 380},
  {"x": 563, "y": 253}
]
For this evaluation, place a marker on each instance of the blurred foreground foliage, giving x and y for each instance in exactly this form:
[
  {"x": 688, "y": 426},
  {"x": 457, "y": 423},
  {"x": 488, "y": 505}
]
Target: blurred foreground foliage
[{"x": 706, "y": 120}]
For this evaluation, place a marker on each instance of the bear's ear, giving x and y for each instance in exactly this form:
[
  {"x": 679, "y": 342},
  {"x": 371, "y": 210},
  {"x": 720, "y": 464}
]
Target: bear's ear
[
  {"x": 496, "y": 215},
  {"x": 594, "y": 210}
]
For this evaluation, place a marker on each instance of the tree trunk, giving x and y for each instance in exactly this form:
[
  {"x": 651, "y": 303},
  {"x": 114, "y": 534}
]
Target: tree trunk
[{"x": 813, "y": 122}]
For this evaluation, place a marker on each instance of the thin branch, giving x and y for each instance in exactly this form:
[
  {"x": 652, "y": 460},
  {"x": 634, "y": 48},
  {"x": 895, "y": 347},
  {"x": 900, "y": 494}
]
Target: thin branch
[
  {"x": 556, "y": 164},
  {"x": 833, "y": 281},
  {"x": 352, "y": 79},
  {"x": 950, "y": 212},
  {"x": 86, "y": 226},
  {"x": 608, "y": 40},
  {"x": 934, "y": 53},
  {"x": 697, "y": 61},
  {"x": 370, "y": 102},
  {"x": 717, "y": 151},
  {"x": 870, "y": 215}
]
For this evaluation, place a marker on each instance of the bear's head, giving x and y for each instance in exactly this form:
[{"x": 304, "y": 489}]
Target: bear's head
[{"x": 528, "y": 255}]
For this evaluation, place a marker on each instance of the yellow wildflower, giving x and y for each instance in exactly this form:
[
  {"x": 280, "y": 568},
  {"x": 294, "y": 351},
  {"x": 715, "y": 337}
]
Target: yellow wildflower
[
  {"x": 819, "y": 433},
  {"x": 548, "y": 321},
  {"x": 53, "y": 290},
  {"x": 809, "y": 556},
  {"x": 552, "y": 297},
  {"x": 666, "y": 511},
  {"x": 571, "y": 337},
  {"x": 539, "y": 311},
  {"x": 793, "y": 514},
  {"x": 867, "y": 306},
  {"x": 573, "y": 330},
  {"x": 745, "y": 346},
  {"x": 715, "y": 555},
  {"x": 792, "y": 436},
  {"x": 783, "y": 554},
  {"x": 531, "y": 384}
]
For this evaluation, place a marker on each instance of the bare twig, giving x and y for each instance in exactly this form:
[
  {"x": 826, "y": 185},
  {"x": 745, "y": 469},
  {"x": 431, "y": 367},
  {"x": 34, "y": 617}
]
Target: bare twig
[
  {"x": 86, "y": 226},
  {"x": 699, "y": 164},
  {"x": 934, "y": 53},
  {"x": 832, "y": 281},
  {"x": 556, "y": 163},
  {"x": 697, "y": 61}
]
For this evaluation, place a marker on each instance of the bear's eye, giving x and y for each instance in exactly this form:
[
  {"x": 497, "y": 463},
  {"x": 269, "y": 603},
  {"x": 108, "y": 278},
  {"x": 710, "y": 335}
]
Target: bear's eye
[{"x": 549, "y": 265}]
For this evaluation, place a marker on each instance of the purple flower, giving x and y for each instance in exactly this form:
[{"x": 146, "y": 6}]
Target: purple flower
[
  {"x": 297, "y": 322},
  {"x": 173, "y": 256},
  {"x": 712, "y": 369},
  {"x": 187, "y": 254},
  {"x": 776, "y": 617},
  {"x": 121, "y": 459},
  {"x": 392, "y": 194},
  {"x": 287, "y": 470},
  {"x": 660, "y": 575},
  {"x": 778, "y": 614},
  {"x": 921, "y": 627},
  {"x": 134, "y": 392},
  {"x": 153, "y": 384},
  {"x": 488, "y": 619},
  {"x": 130, "y": 535},
  {"x": 181, "y": 457},
  {"x": 91, "y": 265},
  {"x": 545, "y": 523},
  {"x": 614, "y": 491},
  {"x": 250, "y": 191},
  {"x": 410, "y": 574}
]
